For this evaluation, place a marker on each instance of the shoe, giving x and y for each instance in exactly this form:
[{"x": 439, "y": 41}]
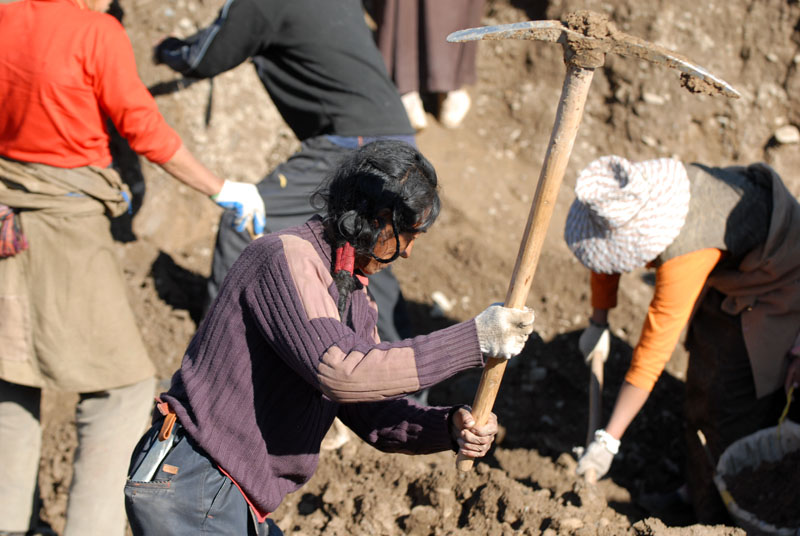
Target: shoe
[
  {"x": 454, "y": 108},
  {"x": 415, "y": 110}
]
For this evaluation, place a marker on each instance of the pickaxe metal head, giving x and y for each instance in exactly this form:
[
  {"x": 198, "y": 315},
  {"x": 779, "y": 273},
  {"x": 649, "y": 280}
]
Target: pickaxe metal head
[{"x": 587, "y": 37}]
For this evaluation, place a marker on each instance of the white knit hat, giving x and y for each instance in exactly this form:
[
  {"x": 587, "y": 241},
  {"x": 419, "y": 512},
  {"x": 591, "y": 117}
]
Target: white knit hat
[{"x": 625, "y": 214}]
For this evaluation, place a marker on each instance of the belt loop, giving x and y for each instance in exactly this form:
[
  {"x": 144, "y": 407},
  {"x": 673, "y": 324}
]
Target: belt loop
[
  {"x": 169, "y": 419},
  {"x": 166, "y": 428}
]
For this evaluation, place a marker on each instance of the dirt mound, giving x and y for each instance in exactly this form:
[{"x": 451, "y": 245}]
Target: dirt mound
[
  {"x": 488, "y": 168},
  {"x": 761, "y": 491}
]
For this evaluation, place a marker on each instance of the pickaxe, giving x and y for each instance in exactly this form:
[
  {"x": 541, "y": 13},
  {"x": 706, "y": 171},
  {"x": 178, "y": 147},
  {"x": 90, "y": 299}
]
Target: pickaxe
[{"x": 586, "y": 38}]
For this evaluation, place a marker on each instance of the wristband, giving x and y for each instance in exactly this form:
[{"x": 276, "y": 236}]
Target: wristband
[{"x": 605, "y": 439}]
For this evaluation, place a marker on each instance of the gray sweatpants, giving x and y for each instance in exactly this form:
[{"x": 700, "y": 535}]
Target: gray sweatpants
[{"x": 109, "y": 423}]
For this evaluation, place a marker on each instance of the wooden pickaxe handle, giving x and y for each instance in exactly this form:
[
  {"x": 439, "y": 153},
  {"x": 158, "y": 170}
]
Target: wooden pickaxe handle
[{"x": 568, "y": 119}]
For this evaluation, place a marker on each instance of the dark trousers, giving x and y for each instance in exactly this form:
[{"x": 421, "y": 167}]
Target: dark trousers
[
  {"x": 720, "y": 400},
  {"x": 286, "y": 192},
  {"x": 411, "y": 37},
  {"x": 193, "y": 497}
]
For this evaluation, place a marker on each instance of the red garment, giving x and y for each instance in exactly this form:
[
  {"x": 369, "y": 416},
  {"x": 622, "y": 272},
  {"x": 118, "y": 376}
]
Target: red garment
[
  {"x": 63, "y": 71},
  {"x": 604, "y": 290}
]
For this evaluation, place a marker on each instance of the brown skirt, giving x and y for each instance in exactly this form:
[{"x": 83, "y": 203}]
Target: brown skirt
[
  {"x": 720, "y": 399},
  {"x": 66, "y": 321}
]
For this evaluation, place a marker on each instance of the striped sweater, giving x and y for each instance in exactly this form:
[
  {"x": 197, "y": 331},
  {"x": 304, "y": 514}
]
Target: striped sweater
[{"x": 272, "y": 365}]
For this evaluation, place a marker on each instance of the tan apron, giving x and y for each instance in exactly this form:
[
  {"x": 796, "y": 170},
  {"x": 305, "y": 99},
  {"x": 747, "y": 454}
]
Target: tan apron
[{"x": 65, "y": 321}]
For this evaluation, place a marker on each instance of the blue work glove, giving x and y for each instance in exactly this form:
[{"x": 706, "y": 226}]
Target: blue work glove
[{"x": 244, "y": 199}]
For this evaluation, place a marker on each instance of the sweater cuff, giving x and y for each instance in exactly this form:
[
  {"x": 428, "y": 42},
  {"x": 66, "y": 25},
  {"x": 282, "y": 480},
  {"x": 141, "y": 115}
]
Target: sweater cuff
[
  {"x": 446, "y": 352},
  {"x": 436, "y": 423}
]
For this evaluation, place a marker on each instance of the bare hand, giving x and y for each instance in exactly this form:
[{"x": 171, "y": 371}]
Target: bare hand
[{"x": 473, "y": 441}]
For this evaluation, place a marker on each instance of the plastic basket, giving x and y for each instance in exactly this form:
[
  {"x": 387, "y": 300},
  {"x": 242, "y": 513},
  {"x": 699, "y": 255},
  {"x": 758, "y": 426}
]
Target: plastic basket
[{"x": 750, "y": 451}]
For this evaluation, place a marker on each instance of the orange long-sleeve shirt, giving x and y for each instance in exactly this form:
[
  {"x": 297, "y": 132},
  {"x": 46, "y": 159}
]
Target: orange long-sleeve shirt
[
  {"x": 679, "y": 282},
  {"x": 63, "y": 71}
]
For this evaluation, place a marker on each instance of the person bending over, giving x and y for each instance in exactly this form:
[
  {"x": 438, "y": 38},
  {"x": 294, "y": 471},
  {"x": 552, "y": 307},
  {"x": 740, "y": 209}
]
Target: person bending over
[{"x": 725, "y": 246}]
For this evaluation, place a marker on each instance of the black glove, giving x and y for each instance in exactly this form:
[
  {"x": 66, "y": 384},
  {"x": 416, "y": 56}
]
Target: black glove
[{"x": 170, "y": 43}]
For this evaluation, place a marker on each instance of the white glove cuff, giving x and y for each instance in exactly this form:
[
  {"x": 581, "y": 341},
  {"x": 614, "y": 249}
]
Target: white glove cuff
[{"x": 605, "y": 439}]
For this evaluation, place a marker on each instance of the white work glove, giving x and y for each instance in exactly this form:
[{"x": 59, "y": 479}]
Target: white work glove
[
  {"x": 598, "y": 455},
  {"x": 245, "y": 200},
  {"x": 595, "y": 340},
  {"x": 503, "y": 332}
]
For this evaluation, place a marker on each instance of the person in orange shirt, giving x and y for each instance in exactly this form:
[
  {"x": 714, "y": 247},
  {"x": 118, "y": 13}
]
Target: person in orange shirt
[
  {"x": 66, "y": 68},
  {"x": 725, "y": 246}
]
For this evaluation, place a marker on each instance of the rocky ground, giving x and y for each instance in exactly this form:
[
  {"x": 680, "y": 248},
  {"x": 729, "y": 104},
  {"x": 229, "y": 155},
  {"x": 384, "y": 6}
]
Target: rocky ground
[{"x": 488, "y": 167}]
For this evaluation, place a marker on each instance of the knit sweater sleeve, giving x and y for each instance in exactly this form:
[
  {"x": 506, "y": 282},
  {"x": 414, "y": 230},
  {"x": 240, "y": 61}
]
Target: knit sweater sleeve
[
  {"x": 400, "y": 426},
  {"x": 293, "y": 302}
]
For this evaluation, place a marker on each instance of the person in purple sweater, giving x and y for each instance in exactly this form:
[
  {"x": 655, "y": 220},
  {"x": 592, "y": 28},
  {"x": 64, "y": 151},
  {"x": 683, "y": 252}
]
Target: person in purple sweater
[{"x": 290, "y": 343}]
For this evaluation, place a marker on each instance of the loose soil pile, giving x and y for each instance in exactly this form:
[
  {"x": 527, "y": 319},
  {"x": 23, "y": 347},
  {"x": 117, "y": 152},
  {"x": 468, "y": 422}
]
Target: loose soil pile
[
  {"x": 488, "y": 168},
  {"x": 763, "y": 492}
]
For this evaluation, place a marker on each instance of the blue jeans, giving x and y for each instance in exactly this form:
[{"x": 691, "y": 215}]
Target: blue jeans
[{"x": 197, "y": 499}]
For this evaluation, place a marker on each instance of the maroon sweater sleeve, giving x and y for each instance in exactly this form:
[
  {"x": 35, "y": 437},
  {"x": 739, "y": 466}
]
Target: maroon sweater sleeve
[
  {"x": 293, "y": 302},
  {"x": 400, "y": 426}
]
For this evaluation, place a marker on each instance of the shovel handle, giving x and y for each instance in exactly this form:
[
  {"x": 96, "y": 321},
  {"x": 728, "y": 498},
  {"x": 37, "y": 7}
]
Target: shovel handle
[
  {"x": 595, "y": 406},
  {"x": 568, "y": 119},
  {"x": 595, "y": 396}
]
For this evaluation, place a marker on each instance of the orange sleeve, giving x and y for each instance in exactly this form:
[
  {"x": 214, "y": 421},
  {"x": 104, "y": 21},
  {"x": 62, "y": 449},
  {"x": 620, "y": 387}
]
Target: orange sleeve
[
  {"x": 604, "y": 290},
  {"x": 679, "y": 282},
  {"x": 125, "y": 99}
]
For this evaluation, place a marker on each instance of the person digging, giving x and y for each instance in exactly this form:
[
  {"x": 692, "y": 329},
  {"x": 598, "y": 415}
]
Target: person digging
[
  {"x": 725, "y": 246},
  {"x": 291, "y": 342}
]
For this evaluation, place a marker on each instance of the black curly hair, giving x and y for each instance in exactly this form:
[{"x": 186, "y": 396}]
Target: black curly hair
[{"x": 383, "y": 178}]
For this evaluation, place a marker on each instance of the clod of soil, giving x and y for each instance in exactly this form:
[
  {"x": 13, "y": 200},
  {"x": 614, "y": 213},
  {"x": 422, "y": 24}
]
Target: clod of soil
[{"x": 767, "y": 491}]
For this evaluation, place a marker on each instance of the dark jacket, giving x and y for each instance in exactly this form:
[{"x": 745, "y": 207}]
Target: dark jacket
[{"x": 316, "y": 58}]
